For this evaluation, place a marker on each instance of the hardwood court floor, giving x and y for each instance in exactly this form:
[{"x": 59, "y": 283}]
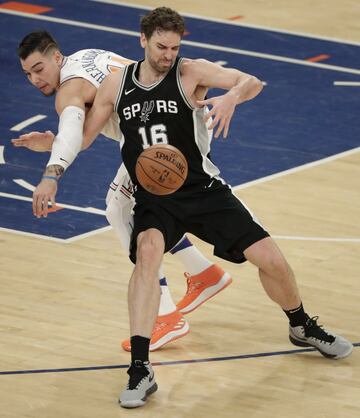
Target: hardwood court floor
[
  {"x": 73, "y": 314},
  {"x": 64, "y": 306}
]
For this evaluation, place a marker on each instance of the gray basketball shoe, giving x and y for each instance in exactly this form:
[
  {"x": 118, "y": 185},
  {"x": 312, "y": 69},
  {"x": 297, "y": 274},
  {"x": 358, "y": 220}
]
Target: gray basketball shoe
[
  {"x": 313, "y": 335},
  {"x": 141, "y": 385}
]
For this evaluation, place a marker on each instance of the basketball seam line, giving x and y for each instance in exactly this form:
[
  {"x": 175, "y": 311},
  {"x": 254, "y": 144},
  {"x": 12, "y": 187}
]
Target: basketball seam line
[
  {"x": 159, "y": 184},
  {"x": 159, "y": 162}
]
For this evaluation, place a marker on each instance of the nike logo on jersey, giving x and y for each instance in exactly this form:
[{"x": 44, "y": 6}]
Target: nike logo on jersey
[
  {"x": 62, "y": 159},
  {"x": 129, "y": 91}
]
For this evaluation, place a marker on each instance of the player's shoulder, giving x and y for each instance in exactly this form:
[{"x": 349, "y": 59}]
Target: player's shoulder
[
  {"x": 192, "y": 65},
  {"x": 113, "y": 80}
]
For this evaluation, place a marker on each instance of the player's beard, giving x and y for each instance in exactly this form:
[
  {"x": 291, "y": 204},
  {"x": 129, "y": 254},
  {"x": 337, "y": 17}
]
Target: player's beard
[{"x": 159, "y": 68}]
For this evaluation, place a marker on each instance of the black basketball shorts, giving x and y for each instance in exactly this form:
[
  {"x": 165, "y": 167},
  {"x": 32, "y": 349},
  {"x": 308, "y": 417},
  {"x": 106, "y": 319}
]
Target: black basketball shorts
[{"x": 213, "y": 214}]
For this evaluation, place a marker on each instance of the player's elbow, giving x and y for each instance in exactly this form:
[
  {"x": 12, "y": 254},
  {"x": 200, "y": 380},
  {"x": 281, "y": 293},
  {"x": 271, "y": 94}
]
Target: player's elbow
[{"x": 255, "y": 86}]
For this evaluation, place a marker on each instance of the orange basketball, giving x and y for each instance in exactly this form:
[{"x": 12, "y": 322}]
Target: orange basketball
[{"x": 161, "y": 169}]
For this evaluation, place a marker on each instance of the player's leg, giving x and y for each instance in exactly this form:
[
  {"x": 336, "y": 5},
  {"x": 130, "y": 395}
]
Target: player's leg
[
  {"x": 279, "y": 283},
  {"x": 204, "y": 278},
  {"x": 170, "y": 324},
  {"x": 152, "y": 225},
  {"x": 143, "y": 303},
  {"x": 223, "y": 219}
]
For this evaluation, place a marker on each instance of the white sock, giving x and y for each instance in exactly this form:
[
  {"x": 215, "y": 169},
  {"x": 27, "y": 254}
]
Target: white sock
[
  {"x": 167, "y": 304},
  {"x": 192, "y": 259}
]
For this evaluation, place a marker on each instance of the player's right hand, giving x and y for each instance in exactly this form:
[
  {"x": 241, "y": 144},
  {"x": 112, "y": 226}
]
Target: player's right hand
[
  {"x": 44, "y": 194},
  {"x": 35, "y": 141}
]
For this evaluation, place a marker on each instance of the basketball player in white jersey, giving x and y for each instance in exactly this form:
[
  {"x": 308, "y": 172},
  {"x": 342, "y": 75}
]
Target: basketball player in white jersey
[{"x": 75, "y": 80}]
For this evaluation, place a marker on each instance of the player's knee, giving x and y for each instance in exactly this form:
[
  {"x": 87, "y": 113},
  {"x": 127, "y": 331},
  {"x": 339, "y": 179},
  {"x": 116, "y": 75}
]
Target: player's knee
[
  {"x": 266, "y": 255},
  {"x": 278, "y": 266},
  {"x": 150, "y": 247}
]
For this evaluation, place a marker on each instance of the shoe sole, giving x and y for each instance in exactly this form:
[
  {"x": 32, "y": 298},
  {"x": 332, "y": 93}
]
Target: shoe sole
[
  {"x": 207, "y": 294},
  {"x": 300, "y": 343},
  {"x": 171, "y": 336},
  {"x": 166, "y": 339},
  {"x": 139, "y": 402}
]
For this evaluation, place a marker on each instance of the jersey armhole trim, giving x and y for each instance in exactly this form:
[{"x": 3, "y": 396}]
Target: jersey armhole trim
[{"x": 179, "y": 83}]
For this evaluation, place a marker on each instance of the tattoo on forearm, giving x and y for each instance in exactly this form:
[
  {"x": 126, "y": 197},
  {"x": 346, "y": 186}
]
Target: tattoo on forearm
[{"x": 54, "y": 170}]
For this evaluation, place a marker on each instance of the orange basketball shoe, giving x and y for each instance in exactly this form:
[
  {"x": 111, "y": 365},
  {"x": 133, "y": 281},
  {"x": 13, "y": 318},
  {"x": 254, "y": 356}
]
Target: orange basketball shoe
[
  {"x": 167, "y": 328},
  {"x": 202, "y": 287}
]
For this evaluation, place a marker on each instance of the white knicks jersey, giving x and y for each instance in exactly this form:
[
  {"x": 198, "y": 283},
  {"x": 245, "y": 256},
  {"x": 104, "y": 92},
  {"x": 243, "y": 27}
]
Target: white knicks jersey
[{"x": 94, "y": 65}]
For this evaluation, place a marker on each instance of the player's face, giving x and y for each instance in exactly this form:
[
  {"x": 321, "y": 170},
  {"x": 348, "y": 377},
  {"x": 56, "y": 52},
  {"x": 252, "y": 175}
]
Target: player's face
[
  {"x": 43, "y": 70},
  {"x": 161, "y": 49}
]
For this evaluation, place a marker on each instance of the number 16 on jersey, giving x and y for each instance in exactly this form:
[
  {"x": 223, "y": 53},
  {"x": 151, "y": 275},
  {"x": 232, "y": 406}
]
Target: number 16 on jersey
[{"x": 154, "y": 135}]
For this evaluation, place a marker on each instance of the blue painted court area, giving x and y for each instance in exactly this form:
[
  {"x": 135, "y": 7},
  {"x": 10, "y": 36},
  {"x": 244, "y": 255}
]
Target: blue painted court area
[{"x": 301, "y": 116}]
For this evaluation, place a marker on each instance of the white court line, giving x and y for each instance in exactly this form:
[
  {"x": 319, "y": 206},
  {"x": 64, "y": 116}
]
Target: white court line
[
  {"x": 272, "y": 57},
  {"x": 347, "y": 83},
  {"x": 324, "y": 239},
  {"x": 108, "y": 228},
  {"x": 24, "y": 184},
  {"x": 233, "y": 23},
  {"x": 189, "y": 43},
  {"x": 296, "y": 169},
  {"x": 88, "y": 234},
  {"x": 58, "y": 240},
  {"x": 2, "y": 159},
  {"x": 27, "y": 122},
  {"x": 31, "y": 235},
  {"x": 241, "y": 186},
  {"x": 94, "y": 211}
]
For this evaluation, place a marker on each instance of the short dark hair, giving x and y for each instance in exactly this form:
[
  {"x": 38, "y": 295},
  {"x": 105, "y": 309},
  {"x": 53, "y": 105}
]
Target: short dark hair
[
  {"x": 162, "y": 18},
  {"x": 39, "y": 40}
]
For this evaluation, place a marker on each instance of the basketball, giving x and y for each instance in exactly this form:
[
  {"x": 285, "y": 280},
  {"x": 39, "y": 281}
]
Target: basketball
[{"x": 161, "y": 169}]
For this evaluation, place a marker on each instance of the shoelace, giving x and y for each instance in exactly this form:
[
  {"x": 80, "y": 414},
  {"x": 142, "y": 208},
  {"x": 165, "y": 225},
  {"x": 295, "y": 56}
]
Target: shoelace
[
  {"x": 192, "y": 286},
  {"x": 312, "y": 329},
  {"x": 137, "y": 375},
  {"x": 160, "y": 325},
  {"x": 134, "y": 382}
]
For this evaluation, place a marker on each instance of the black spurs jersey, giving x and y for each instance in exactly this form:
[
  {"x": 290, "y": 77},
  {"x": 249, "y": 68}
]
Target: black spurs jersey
[{"x": 161, "y": 114}]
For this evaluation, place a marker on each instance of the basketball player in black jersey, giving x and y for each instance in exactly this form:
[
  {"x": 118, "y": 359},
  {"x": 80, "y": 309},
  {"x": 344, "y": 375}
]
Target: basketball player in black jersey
[{"x": 161, "y": 100}]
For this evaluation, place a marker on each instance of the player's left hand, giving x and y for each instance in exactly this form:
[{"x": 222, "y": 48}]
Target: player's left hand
[
  {"x": 44, "y": 194},
  {"x": 222, "y": 110},
  {"x": 35, "y": 141}
]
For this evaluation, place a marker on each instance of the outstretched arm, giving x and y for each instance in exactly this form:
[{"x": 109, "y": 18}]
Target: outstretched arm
[
  {"x": 72, "y": 129},
  {"x": 200, "y": 75},
  {"x": 70, "y": 105},
  {"x": 35, "y": 141},
  {"x": 41, "y": 141}
]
